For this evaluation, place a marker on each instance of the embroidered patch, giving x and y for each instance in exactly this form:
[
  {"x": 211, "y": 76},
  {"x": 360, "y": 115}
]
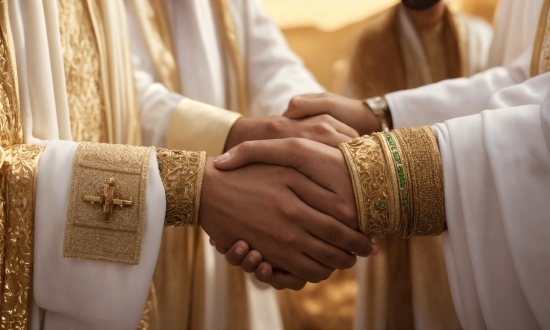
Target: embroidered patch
[{"x": 106, "y": 215}]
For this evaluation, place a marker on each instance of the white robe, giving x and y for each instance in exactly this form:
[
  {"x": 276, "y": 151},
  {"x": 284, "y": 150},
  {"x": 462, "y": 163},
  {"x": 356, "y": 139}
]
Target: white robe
[
  {"x": 274, "y": 75},
  {"x": 497, "y": 170},
  {"x": 71, "y": 293}
]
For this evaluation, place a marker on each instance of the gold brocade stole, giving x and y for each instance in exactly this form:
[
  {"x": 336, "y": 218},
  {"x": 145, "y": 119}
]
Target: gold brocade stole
[
  {"x": 81, "y": 59},
  {"x": 179, "y": 277},
  {"x": 18, "y": 166},
  {"x": 541, "y": 53}
]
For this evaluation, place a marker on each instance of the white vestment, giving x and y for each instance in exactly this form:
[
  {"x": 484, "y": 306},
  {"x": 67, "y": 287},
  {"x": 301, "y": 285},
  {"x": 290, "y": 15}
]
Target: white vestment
[
  {"x": 274, "y": 75},
  {"x": 496, "y": 170},
  {"x": 72, "y": 293}
]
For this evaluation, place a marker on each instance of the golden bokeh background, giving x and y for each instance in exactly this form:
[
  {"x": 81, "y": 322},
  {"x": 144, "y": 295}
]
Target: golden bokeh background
[{"x": 322, "y": 32}]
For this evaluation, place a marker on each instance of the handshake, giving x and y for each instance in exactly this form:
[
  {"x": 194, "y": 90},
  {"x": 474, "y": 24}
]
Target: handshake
[{"x": 285, "y": 208}]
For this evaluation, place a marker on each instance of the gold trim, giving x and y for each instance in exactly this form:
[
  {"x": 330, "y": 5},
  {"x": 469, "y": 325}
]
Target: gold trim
[
  {"x": 17, "y": 199},
  {"x": 540, "y": 41},
  {"x": 87, "y": 235},
  {"x": 11, "y": 131},
  {"x": 181, "y": 173},
  {"x": 231, "y": 42},
  {"x": 410, "y": 201},
  {"x": 154, "y": 26},
  {"x": 367, "y": 166}
]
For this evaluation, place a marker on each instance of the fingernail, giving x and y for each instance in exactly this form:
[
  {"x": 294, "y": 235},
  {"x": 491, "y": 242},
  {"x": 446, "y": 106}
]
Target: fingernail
[
  {"x": 263, "y": 271},
  {"x": 222, "y": 158},
  {"x": 252, "y": 259},
  {"x": 239, "y": 250}
]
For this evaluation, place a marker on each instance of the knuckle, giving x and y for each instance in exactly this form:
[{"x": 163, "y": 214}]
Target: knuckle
[
  {"x": 333, "y": 233},
  {"x": 347, "y": 213},
  {"x": 323, "y": 128},
  {"x": 298, "y": 102},
  {"x": 245, "y": 147},
  {"x": 290, "y": 239},
  {"x": 275, "y": 126},
  {"x": 328, "y": 258}
]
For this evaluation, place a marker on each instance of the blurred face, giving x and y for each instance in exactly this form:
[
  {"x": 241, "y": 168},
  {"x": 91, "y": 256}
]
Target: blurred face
[{"x": 419, "y": 4}]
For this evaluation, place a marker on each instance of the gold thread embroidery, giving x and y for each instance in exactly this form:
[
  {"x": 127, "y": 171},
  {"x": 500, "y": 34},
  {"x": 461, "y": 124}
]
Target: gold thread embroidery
[
  {"x": 82, "y": 72},
  {"x": 540, "y": 62},
  {"x": 181, "y": 173},
  {"x": 10, "y": 123},
  {"x": 368, "y": 172},
  {"x": 410, "y": 201},
  {"x": 87, "y": 235},
  {"x": 17, "y": 232}
]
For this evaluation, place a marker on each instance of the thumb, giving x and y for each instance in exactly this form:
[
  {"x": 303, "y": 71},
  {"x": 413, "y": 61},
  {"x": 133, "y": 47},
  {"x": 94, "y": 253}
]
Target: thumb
[
  {"x": 274, "y": 152},
  {"x": 307, "y": 105}
]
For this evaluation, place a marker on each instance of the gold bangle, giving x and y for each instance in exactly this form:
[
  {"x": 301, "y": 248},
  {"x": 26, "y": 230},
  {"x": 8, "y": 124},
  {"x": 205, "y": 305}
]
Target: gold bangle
[
  {"x": 398, "y": 182},
  {"x": 181, "y": 173},
  {"x": 428, "y": 200},
  {"x": 367, "y": 167}
]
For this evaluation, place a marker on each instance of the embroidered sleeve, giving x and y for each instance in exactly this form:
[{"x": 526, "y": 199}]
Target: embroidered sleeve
[
  {"x": 181, "y": 173},
  {"x": 398, "y": 182}
]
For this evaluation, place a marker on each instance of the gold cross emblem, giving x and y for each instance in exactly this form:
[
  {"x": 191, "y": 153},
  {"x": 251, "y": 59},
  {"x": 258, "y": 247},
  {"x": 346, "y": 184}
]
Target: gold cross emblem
[{"x": 107, "y": 200}]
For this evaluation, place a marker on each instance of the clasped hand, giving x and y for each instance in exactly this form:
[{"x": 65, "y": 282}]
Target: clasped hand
[
  {"x": 300, "y": 214},
  {"x": 286, "y": 209}
]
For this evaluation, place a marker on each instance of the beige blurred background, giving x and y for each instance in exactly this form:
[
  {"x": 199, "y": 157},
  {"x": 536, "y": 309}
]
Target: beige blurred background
[{"x": 322, "y": 32}]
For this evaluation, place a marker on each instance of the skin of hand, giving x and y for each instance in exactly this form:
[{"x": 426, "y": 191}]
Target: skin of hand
[
  {"x": 353, "y": 113},
  {"x": 321, "y": 128},
  {"x": 322, "y": 164},
  {"x": 264, "y": 206},
  {"x": 251, "y": 261}
]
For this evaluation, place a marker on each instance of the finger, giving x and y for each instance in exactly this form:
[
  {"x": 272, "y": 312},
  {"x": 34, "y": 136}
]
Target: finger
[
  {"x": 302, "y": 265},
  {"x": 212, "y": 242},
  {"x": 331, "y": 256},
  {"x": 329, "y": 230},
  {"x": 278, "y": 279},
  {"x": 221, "y": 249},
  {"x": 309, "y": 105},
  {"x": 341, "y": 127},
  {"x": 332, "y": 139},
  {"x": 237, "y": 253},
  {"x": 251, "y": 261}
]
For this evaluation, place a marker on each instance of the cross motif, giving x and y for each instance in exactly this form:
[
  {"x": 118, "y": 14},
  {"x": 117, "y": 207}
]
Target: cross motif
[{"x": 107, "y": 200}]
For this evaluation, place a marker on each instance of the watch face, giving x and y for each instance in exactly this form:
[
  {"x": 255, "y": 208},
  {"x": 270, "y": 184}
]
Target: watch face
[{"x": 377, "y": 103}]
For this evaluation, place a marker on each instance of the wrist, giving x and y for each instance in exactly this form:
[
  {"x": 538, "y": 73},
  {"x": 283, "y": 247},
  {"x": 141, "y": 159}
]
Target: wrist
[
  {"x": 380, "y": 109},
  {"x": 240, "y": 132}
]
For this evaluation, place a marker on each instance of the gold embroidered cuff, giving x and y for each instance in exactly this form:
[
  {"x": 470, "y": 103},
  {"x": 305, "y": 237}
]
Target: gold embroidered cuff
[
  {"x": 17, "y": 200},
  {"x": 368, "y": 170},
  {"x": 181, "y": 173},
  {"x": 398, "y": 182},
  {"x": 106, "y": 215}
]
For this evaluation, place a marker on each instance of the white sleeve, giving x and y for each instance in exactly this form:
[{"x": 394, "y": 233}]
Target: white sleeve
[
  {"x": 275, "y": 73},
  {"x": 86, "y": 294},
  {"x": 454, "y": 98},
  {"x": 497, "y": 173}
]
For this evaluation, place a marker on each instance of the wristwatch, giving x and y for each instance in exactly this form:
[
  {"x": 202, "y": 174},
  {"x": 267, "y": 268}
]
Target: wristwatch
[{"x": 381, "y": 110}]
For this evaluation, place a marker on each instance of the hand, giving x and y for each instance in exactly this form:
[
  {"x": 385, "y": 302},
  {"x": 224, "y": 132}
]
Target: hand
[
  {"x": 321, "y": 128},
  {"x": 262, "y": 204},
  {"x": 354, "y": 113},
  {"x": 324, "y": 165},
  {"x": 251, "y": 261}
]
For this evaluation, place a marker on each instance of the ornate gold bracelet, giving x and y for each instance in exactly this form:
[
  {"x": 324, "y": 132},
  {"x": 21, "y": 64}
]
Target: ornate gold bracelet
[
  {"x": 398, "y": 182},
  {"x": 367, "y": 167},
  {"x": 181, "y": 173}
]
